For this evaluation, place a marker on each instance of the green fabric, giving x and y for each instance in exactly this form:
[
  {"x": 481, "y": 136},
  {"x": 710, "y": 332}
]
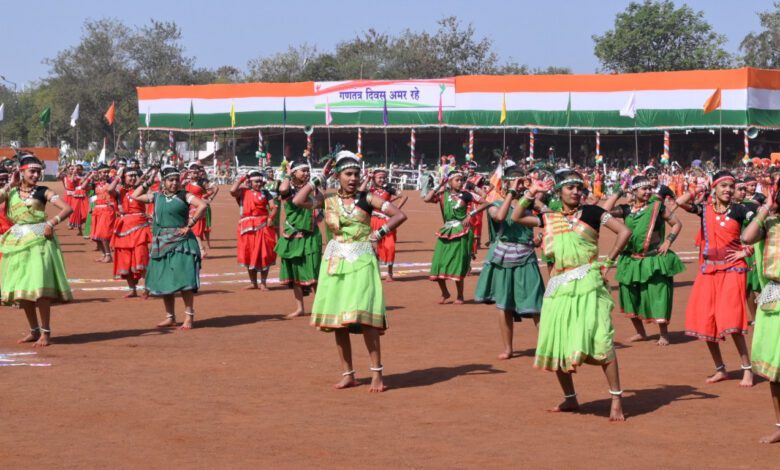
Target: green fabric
[
  {"x": 765, "y": 354},
  {"x": 177, "y": 267},
  {"x": 518, "y": 289},
  {"x": 88, "y": 222},
  {"x": 576, "y": 325},
  {"x": 556, "y": 205},
  {"x": 32, "y": 266},
  {"x": 650, "y": 300},
  {"x": 300, "y": 256},
  {"x": 452, "y": 256}
]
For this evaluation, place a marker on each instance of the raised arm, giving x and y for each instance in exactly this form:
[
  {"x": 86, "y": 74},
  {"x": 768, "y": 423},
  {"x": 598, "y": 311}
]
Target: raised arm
[
  {"x": 112, "y": 186},
  {"x": 235, "y": 190},
  {"x": 754, "y": 231}
]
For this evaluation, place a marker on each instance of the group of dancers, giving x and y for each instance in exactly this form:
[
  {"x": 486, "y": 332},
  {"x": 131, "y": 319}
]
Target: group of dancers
[{"x": 154, "y": 215}]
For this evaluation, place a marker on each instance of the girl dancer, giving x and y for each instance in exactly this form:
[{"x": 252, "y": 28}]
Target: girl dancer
[
  {"x": 385, "y": 248},
  {"x": 132, "y": 233}
]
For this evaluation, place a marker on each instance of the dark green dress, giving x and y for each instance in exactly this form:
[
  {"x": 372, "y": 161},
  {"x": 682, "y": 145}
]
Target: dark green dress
[
  {"x": 300, "y": 246},
  {"x": 510, "y": 277},
  {"x": 174, "y": 260},
  {"x": 452, "y": 255}
]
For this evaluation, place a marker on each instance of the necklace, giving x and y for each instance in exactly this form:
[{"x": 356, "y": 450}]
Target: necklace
[
  {"x": 725, "y": 209},
  {"x": 638, "y": 209},
  {"x": 347, "y": 212},
  {"x": 27, "y": 200},
  {"x": 568, "y": 212}
]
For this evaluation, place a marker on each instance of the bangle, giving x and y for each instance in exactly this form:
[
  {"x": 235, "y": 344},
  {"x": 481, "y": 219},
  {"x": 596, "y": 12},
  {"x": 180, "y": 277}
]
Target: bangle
[
  {"x": 473, "y": 212},
  {"x": 58, "y": 218},
  {"x": 525, "y": 203},
  {"x": 51, "y": 225},
  {"x": 513, "y": 193},
  {"x": 609, "y": 262},
  {"x": 384, "y": 230}
]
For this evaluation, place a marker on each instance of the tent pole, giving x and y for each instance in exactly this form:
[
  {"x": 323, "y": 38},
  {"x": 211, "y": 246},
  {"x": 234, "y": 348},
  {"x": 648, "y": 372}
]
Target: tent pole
[{"x": 720, "y": 139}]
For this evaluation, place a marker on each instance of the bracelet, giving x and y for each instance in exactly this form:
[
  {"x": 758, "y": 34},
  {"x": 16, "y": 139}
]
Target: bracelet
[
  {"x": 525, "y": 203},
  {"x": 609, "y": 262},
  {"x": 384, "y": 230},
  {"x": 513, "y": 193},
  {"x": 58, "y": 218},
  {"x": 671, "y": 237},
  {"x": 51, "y": 225},
  {"x": 473, "y": 212},
  {"x": 316, "y": 181}
]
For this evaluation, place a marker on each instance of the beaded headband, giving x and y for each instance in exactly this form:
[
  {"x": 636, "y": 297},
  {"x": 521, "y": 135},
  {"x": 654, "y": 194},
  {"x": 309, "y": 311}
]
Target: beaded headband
[
  {"x": 569, "y": 181},
  {"x": 723, "y": 178},
  {"x": 299, "y": 166},
  {"x": 641, "y": 184}
]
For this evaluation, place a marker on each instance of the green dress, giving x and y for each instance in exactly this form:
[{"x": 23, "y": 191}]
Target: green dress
[
  {"x": 452, "y": 255},
  {"x": 510, "y": 276},
  {"x": 300, "y": 246},
  {"x": 174, "y": 260},
  {"x": 88, "y": 222},
  {"x": 349, "y": 290},
  {"x": 645, "y": 277},
  {"x": 576, "y": 325},
  {"x": 765, "y": 354},
  {"x": 754, "y": 278},
  {"x": 32, "y": 267}
]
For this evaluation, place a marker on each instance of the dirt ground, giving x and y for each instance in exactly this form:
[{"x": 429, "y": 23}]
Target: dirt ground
[{"x": 248, "y": 389}]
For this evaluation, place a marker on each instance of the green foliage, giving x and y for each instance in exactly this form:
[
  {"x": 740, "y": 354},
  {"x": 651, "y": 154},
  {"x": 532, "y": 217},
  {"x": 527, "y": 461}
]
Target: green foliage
[
  {"x": 763, "y": 49},
  {"x": 655, "y": 36}
]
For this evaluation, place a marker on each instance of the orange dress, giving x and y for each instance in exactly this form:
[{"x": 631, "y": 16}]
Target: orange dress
[
  {"x": 256, "y": 234},
  {"x": 385, "y": 248},
  {"x": 103, "y": 214},
  {"x": 198, "y": 190},
  {"x": 131, "y": 238}
]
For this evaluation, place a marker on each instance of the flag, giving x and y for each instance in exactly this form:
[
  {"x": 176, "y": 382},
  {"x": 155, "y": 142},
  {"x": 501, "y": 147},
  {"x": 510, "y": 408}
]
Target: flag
[
  {"x": 232, "y": 114},
  {"x": 328, "y": 117},
  {"x": 713, "y": 102},
  {"x": 192, "y": 114},
  {"x": 502, "y": 119},
  {"x": 110, "y": 114},
  {"x": 629, "y": 109},
  {"x": 384, "y": 112},
  {"x": 284, "y": 111},
  {"x": 74, "y": 117},
  {"x": 2, "y": 111},
  {"x": 45, "y": 117},
  {"x": 148, "y": 116},
  {"x": 102, "y": 156}
]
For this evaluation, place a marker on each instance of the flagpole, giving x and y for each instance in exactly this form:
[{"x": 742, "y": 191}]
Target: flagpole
[
  {"x": 439, "y": 142},
  {"x": 503, "y": 146},
  {"x": 386, "y": 156}
]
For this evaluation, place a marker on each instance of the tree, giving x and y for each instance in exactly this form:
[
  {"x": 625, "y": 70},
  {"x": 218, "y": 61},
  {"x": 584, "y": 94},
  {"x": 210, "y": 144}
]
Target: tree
[
  {"x": 763, "y": 49},
  {"x": 656, "y": 36},
  {"x": 285, "y": 66}
]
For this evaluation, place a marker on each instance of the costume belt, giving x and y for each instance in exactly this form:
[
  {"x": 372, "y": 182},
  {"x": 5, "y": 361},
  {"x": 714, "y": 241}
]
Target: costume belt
[
  {"x": 769, "y": 294},
  {"x": 453, "y": 224},
  {"x": 649, "y": 254},
  {"x": 562, "y": 279},
  {"x": 22, "y": 230},
  {"x": 349, "y": 251}
]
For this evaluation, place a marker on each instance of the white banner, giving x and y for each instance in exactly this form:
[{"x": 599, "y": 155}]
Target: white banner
[{"x": 414, "y": 95}]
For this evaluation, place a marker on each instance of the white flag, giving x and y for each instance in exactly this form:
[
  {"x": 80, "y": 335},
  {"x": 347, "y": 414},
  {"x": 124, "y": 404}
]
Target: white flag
[
  {"x": 148, "y": 117},
  {"x": 102, "y": 156},
  {"x": 2, "y": 111},
  {"x": 75, "y": 116},
  {"x": 629, "y": 109}
]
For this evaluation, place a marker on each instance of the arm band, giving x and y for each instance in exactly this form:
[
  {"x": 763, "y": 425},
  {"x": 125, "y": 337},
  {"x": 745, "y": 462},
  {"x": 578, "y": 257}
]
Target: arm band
[{"x": 671, "y": 237}]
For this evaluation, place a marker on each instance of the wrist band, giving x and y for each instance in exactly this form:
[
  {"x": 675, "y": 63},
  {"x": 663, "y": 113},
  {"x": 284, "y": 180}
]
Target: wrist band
[
  {"x": 671, "y": 237},
  {"x": 513, "y": 193},
  {"x": 525, "y": 203}
]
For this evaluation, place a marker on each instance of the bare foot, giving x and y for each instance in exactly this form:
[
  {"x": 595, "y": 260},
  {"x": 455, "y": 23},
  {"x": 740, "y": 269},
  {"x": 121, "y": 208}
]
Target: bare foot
[
  {"x": 187, "y": 324},
  {"x": 771, "y": 438},
  {"x": 459, "y": 301},
  {"x": 377, "y": 386},
  {"x": 444, "y": 298},
  {"x": 747, "y": 379},
  {"x": 389, "y": 279},
  {"x": 133, "y": 293},
  {"x": 663, "y": 341},
  {"x": 251, "y": 287},
  {"x": 43, "y": 341},
  {"x": 505, "y": 355},
  {"x": 566, "y": 406},
  {"x": 100, "y": 260},
  {"x": 616, "y": 410},
  {"x": 31, "y": 337},
  {"x": 168, "y": 322},
  {"x": 145, "y": 295},
  {"x": 263, "y": 287},
  {"x": 107, "y": 259},
  {"x": 636, "y": 337},
  {"x": 347, "y": 381},
  {"x": 718, "y": 376},
  {"x": 294, "y": 314}
]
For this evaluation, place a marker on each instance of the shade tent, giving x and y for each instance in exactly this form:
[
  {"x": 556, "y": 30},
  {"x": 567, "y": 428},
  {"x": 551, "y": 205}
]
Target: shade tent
[{"x": 662, "y": 100}]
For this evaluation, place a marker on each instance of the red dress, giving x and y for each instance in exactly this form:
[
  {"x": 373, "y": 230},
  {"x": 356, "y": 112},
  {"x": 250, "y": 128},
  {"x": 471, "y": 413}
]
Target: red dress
[
  {"x": 198, "y": 189},
  {"x": 385, "y": 248},
  {"x": 5, "y": 223},
  {"x": 103, "y": 214},
  {"x": 475, "y": 221},
  {"x": 76, "y": 197},
  {"x": 716, "y": 307},
  {"x": 256, "y": 234},
  {"x": 131, "y": 238}
]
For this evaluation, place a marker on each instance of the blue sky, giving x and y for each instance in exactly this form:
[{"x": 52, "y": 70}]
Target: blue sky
[{"x": 231, "y": 32}]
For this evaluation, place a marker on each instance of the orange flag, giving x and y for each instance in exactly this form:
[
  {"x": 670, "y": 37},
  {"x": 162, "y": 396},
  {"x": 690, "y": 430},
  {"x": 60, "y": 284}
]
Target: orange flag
[
  {"x": 713, "y": 102},
  {"x": 110, "y": 114}
]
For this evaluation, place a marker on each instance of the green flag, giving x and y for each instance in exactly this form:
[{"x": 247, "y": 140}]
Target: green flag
[
  {"x": 45, "y": 117},
  {"x": 192, "y": 114}
]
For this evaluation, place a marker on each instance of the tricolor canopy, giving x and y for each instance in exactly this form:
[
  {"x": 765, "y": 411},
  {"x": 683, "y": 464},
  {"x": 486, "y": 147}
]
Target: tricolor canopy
[{"x": 658, "y": 100}]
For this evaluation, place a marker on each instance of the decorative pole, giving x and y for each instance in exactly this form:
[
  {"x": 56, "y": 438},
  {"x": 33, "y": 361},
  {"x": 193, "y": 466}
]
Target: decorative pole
[
  {"x": 471, "y": 144},
  {"x": 747, "y": 145},
  {"x": 666, "y": 144},
  {"x": 598, "y": 143},
  {"x": 531, "y": 139},
  {"x": 360, "y": 141},
  {"x": 411, "y": 147}
]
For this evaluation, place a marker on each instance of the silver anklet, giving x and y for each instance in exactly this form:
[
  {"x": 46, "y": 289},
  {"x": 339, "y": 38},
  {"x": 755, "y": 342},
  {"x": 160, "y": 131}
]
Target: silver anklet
[
  {"x": 748, "y": 367},
  {"x": 377, "y": 369},
  {"x": 170, "y": 316},
  {"x": 777, "y": 424},
  {"x": 616, "y": 393},
  {"x": 351, "y": 372},
  {"x": 190, "y": 314},
  {"x": 573, "y": 395},
  {"x": 720, "y": 368},
  {"x": 44, "y": 330}
]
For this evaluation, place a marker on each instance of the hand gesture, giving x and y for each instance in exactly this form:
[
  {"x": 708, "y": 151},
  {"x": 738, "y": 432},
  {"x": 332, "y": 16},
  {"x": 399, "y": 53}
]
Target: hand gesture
[
  {"x": 664, "y": 247},
  {"x": 735, "y": 255},
  {"x": 326, "y": 170},
  {"x": 48, "y": 231},
  {"x": 182, "y": 231}
]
